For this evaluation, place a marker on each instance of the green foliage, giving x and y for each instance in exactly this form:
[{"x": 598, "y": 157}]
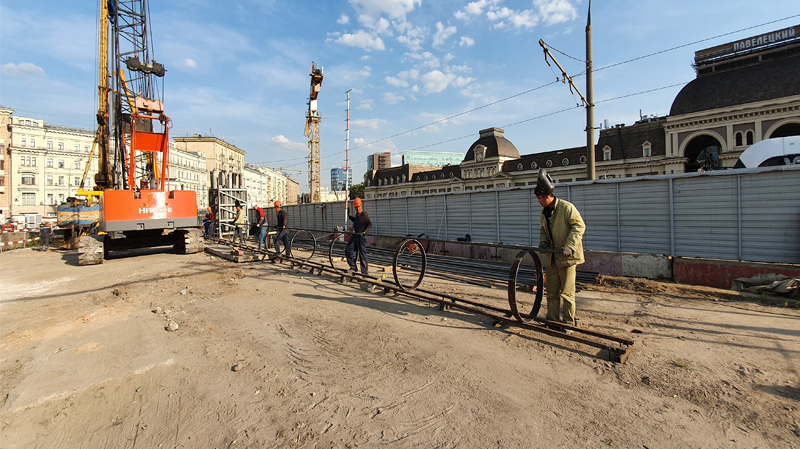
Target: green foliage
[{"x": 357, "y": 191}]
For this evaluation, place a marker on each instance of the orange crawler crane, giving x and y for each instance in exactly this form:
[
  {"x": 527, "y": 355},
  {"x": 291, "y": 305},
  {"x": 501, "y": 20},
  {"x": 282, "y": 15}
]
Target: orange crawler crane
[{"x": 136, "y": 208}]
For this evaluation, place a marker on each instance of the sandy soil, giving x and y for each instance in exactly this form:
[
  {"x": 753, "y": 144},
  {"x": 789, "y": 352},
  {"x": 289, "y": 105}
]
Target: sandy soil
[{"x": 269, "y": 356}]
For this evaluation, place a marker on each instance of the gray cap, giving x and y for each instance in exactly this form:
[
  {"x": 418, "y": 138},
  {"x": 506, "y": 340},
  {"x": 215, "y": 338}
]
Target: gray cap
[{"x": 545, "y": 184}]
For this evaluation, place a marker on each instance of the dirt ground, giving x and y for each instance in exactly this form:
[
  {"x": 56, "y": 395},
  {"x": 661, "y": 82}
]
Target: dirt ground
[{"x": 270, "y": 356}]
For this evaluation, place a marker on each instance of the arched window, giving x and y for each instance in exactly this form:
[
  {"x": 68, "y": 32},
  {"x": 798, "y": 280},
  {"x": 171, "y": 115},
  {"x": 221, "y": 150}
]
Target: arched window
[
  {"x": 519, "y": 166},
  {"x": 565, "y": 161},
  {"x": 534, "y": 165},
  {"x": 549, "y": 163},
  {"x": 749, "y": 137},
  {"x": 583, "y": 159},
  {"x": 738, "y": 139}
]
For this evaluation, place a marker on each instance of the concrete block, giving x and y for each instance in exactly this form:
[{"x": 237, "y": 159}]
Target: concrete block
[
  {"x": 605, "y": 262},
  {"x": 650, "y": 266}
]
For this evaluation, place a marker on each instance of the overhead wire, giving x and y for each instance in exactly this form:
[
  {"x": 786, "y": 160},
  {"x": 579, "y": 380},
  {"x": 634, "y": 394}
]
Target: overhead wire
[{"x": 551, "y": 83}]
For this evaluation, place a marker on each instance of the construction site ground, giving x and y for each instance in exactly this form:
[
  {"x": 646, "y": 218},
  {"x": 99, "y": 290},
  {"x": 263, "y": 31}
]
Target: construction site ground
[{"x": 270, "y": 356}]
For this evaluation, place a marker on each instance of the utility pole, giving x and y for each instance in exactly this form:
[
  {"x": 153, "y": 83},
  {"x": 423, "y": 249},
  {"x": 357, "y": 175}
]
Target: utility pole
[
  {"x": 347, "y": 158},
  {"x": 589, "y": 99}
]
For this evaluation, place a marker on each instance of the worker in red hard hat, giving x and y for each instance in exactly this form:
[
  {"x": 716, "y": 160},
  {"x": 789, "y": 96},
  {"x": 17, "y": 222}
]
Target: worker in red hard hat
[
  {"x": 358, "y": 242},
  {"x": 561, "y": 229},
  {"x": 283, "y": 231}
]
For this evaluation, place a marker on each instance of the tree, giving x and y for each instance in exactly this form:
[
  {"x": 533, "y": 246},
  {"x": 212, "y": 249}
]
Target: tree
[{"x": 357, "y": 191}]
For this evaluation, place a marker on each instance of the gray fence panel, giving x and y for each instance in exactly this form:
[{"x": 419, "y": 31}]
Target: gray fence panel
[
  {"x": 484, "y": 217},
  {"x": 458, "y": 213},
  {"x": 644, "y": 216},
  {"x": 434, "y": 217},
  {"x": 597, "y": 204},
  {"x": 371, "y": 208},
  {"x": 515, "y": 217},
  {"x": 416, "y": 213},
  {"x": 706, "y": 217},
  {"x": 771, "y": 217},
  {"x": 398, "y": 218}
]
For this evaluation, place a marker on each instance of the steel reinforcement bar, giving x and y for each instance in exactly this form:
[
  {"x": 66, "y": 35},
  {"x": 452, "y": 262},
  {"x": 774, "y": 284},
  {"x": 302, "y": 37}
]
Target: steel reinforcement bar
[{"x": 618, "y": 351}]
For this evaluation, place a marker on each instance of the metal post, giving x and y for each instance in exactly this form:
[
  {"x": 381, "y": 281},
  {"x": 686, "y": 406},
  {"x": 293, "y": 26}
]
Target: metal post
[
  {"x": 470, "y": 214},
  {"x": 445, "y": 216},
  {"x": 739, "y": 211},
  {"x": 671, "y": 220},
  {"x": 497, "y": 212},
  {"x": 589, "y": 99},
  {"x": 619, "y": 230},
  {"x": 406, "y": 216},
  {"x": 530, "y": 217},
  {"x": 347, "y": 158}
]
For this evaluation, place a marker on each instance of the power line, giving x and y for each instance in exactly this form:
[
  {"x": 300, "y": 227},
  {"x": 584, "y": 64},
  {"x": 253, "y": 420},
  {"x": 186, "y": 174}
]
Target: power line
[
  {"x": 548, "y": 84},
  {"x": 696, "y": 42}
]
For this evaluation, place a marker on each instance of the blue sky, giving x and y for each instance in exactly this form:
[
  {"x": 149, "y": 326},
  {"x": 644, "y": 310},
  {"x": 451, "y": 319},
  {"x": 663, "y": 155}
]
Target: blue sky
[{"x": 238, "y": 70}]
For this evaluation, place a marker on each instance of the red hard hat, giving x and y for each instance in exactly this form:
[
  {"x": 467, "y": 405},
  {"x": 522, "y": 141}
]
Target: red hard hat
[
  {"x": 277, "y": 204},
  {"x": 357, "y": 202}
]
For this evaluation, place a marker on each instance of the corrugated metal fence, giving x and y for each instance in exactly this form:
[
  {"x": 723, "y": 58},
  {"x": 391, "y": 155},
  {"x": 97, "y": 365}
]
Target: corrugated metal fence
[{"x": 751, "y": 214}]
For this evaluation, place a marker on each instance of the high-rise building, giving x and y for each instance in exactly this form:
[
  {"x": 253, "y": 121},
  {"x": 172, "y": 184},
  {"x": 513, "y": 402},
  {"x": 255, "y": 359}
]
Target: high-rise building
[
  {"x": 432, "y": 158},
  {"x": 378, "y": 161},
  {"x": 341, "y": 179}
]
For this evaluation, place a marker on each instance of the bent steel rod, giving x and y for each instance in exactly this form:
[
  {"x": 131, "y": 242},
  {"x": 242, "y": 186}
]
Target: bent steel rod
[{"x": 618, "y": 354}]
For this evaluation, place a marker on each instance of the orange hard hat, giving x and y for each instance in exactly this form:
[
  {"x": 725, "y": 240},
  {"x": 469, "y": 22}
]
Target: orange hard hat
[
  {"x": 357, "y": 202},
  {"x": 277, "y": 204}
]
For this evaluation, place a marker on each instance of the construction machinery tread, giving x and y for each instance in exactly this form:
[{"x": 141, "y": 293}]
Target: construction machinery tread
[
  {"x": 190, "y": 241},
  {"x": 91, "y": 249}
]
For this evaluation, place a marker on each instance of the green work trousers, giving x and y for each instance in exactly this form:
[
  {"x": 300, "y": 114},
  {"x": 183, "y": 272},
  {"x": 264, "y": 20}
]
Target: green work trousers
[{"x": 561, "y": 287}]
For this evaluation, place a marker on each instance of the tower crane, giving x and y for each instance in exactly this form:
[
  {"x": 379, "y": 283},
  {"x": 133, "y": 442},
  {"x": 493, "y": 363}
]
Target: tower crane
[{"x": 312, "y": 132}]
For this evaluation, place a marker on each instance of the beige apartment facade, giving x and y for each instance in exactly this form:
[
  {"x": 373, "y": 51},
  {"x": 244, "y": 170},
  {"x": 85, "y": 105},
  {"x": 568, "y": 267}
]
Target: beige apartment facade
[
  {"x": 187, "y": 171},
  {"x": 265, "y": 186},
  {"x": 224, "y": 161},
  {"x": 46, "y": 164},
  {"x": 5, "y": 141}
]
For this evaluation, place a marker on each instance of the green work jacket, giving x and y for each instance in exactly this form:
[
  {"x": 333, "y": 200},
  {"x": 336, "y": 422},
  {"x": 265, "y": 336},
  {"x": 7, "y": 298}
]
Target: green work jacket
[{"x": 566, "y": 230}]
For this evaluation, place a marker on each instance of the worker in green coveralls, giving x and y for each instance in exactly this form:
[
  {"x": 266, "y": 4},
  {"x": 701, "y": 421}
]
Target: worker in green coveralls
[{"x": 562, "y": 229}]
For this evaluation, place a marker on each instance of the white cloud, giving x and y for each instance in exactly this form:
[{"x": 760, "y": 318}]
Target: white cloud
[
  {"x": 188, "y": 62},
  {"x": 365, "y": 57},
  {"x": 414, "y": 88},
  {"x": 499, "y": 25},
  {"x": 392, "y": 81},
  {"x": 370, "y": 11},
  {"x": 411, "y": 36},
  {"x": 365, "y": 105},
  {"x": 555, "y": 11},
  {"x": 462, "y": 82},
  {"x": 408, "y": 74},
  {"x": 448, "y": 57},
  {"x": 363, "y": 40},
  {"x": 499, "y": 14},
  {"x": 476, "y": 8},
  {"x": 524, "y": 19},
  {"x": 283, "y": 143},
  {"x": 460, "y": 15},
  {"x": 343, "y": 20},
  {"x": 430, "y": 60},
  {"x": 442, "y": 33},
  {"x": 391, "y": 98},
  {"x": 466, "y": 41},
  {"x": 436, "y": 81},
  {"x": 464, "y": 68},
  {"x": 23, "y": 69},
  {"x": 369, "y": 123}
]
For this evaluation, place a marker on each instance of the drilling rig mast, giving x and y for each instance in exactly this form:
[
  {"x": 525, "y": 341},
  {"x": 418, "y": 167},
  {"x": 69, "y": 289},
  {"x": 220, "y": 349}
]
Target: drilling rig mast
[{"x": 312, "y": 132}]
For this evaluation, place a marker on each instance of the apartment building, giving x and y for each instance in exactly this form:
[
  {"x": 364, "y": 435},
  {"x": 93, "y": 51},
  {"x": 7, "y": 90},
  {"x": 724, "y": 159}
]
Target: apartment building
[
  {"x": 187, "y": 171},
  {"x": 5, "y": 141},
  {"x": 45, "y": 164},
  {"x": 265, "y": 185},
  {"x": 224, "y": 161}
]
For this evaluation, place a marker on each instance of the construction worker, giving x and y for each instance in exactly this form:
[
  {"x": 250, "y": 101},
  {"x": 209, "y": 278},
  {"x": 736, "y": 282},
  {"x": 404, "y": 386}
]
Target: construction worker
[
  {"x": 208, "y": 222},
  {"x": 44, "y": 233},
  {"x": 283, "y": 231},
  {"x": 238, "y": 223},
  {"x": 262, "y": 226},
  {"x": 358, "y": 241},
  {"x": 561, "y": 229}
]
